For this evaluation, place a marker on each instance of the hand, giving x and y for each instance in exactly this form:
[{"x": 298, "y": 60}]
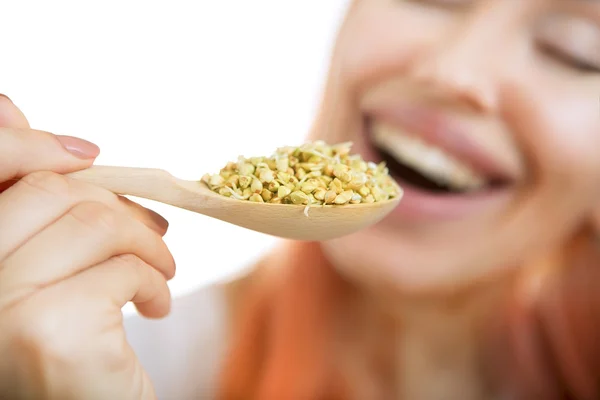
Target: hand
[{"x": 71, "y": 256}]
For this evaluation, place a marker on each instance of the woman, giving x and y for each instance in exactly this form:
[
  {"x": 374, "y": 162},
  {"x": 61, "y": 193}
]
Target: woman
[{"x": 479, "y": 286}]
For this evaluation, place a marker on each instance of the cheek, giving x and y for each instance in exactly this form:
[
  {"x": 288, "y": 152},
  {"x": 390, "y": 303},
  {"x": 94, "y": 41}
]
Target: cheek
[
  {"x": 560, "y": 129},
  {"x": 572, "y": 134},
  {"x": 372, "y": 46},
  {"x": 379, "y": 39}
]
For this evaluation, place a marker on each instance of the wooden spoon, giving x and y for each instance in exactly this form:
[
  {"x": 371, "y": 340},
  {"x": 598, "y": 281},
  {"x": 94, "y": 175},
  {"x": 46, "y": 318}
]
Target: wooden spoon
[{"x": 283, "y": 220}]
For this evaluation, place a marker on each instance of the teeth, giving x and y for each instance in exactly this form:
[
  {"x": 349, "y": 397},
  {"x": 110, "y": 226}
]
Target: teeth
[{"x": 430, "y": 161}]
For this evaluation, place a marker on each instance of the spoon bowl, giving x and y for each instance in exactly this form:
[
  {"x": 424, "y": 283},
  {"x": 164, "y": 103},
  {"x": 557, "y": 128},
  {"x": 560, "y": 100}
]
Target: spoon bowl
[{"x": 315, "y": 223}]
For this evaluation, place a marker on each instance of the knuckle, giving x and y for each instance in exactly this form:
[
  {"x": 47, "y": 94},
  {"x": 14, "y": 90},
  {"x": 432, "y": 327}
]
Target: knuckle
[
  {"x": 53, "y": 337},
  {"x": 132, "y": 264},
  {"x": 42, "y": 334},
  {"x": 47, "y": 182},
  {"x": 96, "y": 215},
  {"x": 11, "y": 145},
  {"x": 128, "y": 260}
]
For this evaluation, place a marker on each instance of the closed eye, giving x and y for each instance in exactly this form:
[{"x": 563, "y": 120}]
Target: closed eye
[
  {"x": 572, "y": 41},
  {"x": 567, "y": 58},
  {"x": 449, "y": 4}
]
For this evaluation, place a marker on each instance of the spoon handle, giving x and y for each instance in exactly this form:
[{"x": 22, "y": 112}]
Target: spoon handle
[{"x": 147, "y": 183}]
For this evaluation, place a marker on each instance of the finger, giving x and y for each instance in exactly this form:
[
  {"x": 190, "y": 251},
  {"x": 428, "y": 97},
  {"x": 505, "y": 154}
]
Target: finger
[
  {"x": 23, "y": 151},
  {"x": 41, "y": 198},
  {"x": 10, "y": 115},
  {"x": 88, "y": 234},
  {"x": 76, "y": 328},
  {"x": 120, "y": 280},
  {"x": 151, "y": 218}
]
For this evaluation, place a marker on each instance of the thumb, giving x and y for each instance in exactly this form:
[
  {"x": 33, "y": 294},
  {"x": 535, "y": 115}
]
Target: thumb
[
  {"x": 10, "y": 115},
  {"x": 24, "y": 150}
]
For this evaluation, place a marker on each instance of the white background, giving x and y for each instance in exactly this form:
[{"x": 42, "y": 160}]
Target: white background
[{"x": 180, "y": 85}]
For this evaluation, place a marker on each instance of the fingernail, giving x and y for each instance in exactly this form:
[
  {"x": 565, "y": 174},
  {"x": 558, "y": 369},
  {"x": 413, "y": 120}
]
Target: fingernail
[
  {"x": 79, "y": 147},
  {"x": 6, "y": 97},
  {"x": 160, "y": 222}
]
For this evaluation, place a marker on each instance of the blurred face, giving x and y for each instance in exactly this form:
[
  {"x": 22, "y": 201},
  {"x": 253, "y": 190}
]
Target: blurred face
[{"x": 487, "y": 113}]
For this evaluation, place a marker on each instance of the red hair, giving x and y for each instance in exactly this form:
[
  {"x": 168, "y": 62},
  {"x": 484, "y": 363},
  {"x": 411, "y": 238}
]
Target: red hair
[
  {"x": 540, "y": 348},
  {"x": 547, "y": 347}
]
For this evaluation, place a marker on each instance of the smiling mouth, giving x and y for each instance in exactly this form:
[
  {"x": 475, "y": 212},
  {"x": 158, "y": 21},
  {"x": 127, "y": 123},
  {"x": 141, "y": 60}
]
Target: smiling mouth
[{"x": 426, "y": 167}]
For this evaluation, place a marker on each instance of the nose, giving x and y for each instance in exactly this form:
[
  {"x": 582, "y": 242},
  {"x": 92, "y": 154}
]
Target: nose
[{"x": 461, "y": 65}]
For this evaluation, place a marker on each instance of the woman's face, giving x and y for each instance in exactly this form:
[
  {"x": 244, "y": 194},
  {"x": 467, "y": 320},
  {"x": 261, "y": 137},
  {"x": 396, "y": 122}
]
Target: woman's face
[{"x": 487, "y": 113}]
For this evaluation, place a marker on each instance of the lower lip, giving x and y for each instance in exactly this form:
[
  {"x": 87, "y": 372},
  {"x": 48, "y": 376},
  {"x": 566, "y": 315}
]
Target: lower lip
[{"x": 418, "y": 205}]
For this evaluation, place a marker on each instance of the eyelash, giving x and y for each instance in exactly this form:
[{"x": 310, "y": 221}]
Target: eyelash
[
  {"x": 447, "y": 4},
  {"x": 567, "y": 59}
]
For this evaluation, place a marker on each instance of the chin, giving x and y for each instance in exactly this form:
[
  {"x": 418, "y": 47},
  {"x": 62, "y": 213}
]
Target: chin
[
  {"x": 385, "y": 261},
  {"x": 378, "y": 259}
]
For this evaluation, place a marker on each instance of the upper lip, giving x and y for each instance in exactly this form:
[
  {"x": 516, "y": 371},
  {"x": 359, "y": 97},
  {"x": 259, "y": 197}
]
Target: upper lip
[{"x": 441, "y": 130}]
